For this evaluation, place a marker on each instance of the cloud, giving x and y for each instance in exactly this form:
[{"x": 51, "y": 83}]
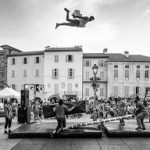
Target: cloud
[
  {"x": 93, "y": 35},
  {"x": 146, "y": 12}
]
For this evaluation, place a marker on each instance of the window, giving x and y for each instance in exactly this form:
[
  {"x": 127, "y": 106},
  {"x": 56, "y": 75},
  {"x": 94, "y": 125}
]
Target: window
[
  {"x": 87, "y": 76},
  {"x": 13, "y": 86},
  {"x": 126, "y": 66},
  {"x": 24, "y": 73},
  {"x": 13, "y": 73},
  {"x": 70, "y": 73},
  {"x": 86, "y": 91},
  {"x": 126, "y": 91},
  {"x": 116, "y": 91},
  {"x": 69, "y": 88},
  {"x": 102, "y": 75},
  {"x": 13, "y": 61},
  {"x": 62, "y": 85},
  {"x": 146, "y": 72},
  {"x": 56, "y": 58},
  {"x": 138, "y": 74},
  {"x": 115, "y": 66},
  {"x": 37, "y": 73},
  {"x": 87, "y": 63},
  {"x": 102, "y": 63},
  {"x": 146, "y": 67},
  {"x": 127, "y": 74},
  {"x": 69, "y": 58},
  {"x": 25, "y": 60},
  {"x": 137, "y": 90},
  {"x": 101, "y": 92},
  {"x": 55, "y": 73},
  {"x": 37, "y": 60},
  {"x": 56, "y": 88},
  {"x": 115, "y": 73},
  {"x": 76, "y": 85}
]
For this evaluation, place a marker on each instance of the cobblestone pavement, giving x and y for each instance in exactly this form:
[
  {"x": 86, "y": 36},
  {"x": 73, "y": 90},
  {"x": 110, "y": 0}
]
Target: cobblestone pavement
[
  {"x": 103, "y": 143},
  {"x": 5, "y": 143}
]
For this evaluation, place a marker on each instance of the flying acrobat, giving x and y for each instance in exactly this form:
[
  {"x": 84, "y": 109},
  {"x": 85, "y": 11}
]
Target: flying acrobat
[{"x": 78, "y": 21}]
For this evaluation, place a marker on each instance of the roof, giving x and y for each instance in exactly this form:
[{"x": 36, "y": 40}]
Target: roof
[
  {"x": 9, "y": 47},
  {"x": 62, "y": 49},
  {"x": 26, "y": 53},
  {"x": 118, "y": 57},
  {"x": 95, "y": 55}
]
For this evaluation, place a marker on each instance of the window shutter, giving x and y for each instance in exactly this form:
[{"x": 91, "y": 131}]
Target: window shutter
[
  {"x": 34, "y": 60},
  {"x": 73, "y": 73},
  {"x": 69, "y": 73},
  {"x": 53, "y": 73},
  {"x": 66, "y": 58},
  {"x": 57, "y": 73}
]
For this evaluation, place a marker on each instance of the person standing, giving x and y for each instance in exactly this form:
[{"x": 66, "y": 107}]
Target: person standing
[
  {"x": 121, "y": 110},
  {"x": 140, "y": 113},
  {"x": 8, "y": 116},
  {"x": 60, "y": 111}
]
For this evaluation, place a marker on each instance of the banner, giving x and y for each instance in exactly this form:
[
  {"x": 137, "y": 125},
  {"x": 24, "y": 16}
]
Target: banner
[{"x": 80, "y": 108}]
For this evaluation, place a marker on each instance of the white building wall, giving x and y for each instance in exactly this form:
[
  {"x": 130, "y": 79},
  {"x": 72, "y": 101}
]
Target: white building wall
[
  {"x": 19, "y": 68},
  {"x": 132, "y": 83},
  {"x": 87, "y": 84},
  {"x": 63, "y": 67}
]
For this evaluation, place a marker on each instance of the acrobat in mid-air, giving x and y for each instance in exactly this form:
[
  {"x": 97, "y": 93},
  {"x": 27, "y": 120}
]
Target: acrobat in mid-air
[{"x": 77, "y": 21}]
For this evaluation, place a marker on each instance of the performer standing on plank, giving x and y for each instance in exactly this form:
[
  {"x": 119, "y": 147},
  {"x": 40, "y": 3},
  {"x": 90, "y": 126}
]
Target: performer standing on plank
[
  {"x": 79, "y": 22},
  {"x": 60, "y": 110},
  {"x": 140, "y": 113},
  {"x": 121, "y": 110}
]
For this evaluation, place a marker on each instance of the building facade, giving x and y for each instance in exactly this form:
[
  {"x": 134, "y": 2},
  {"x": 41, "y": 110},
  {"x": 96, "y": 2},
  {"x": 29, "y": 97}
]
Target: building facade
[
  {"x": 128, "y": 75},
  {"x": 67, "y": 71},
  {"x": 101, "y": 61},
  {"x": 4, "y": 51},
  {"x": 63, "y": 72},
  {"x": 26, "y": 70}
]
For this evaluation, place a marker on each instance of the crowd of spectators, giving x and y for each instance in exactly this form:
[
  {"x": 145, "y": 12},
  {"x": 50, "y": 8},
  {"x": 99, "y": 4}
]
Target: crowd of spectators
[{"x": 109, "y": 108}]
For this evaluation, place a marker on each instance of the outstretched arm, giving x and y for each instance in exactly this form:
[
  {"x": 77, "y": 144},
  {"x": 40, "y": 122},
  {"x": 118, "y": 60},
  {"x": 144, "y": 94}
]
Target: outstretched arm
[
  {"x": 80, "y": 17},
  {"x": 69, "y": 110}
]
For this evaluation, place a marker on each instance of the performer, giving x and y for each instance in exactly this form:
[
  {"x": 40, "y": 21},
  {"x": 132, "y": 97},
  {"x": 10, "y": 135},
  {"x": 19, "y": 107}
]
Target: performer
[
  {"x": 8, "y": 116},
  {"x": 80, "y": 21},
  {"x": 140, "y": 113},
  {"x": 121, "y": 110},
  {"x": 60, "y": 110}
]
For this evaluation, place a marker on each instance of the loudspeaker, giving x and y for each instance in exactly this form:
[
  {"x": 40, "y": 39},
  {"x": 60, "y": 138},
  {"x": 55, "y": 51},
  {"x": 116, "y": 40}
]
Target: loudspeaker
[
  {"x": 25, "y": 98},
  {"x": 22, "y": 115}
]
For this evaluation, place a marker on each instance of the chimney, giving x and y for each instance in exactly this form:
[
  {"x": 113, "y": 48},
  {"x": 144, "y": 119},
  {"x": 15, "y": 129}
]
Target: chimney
[
  {"x": 47, "y": 47},
  {"x": 105, "y": 50},
  {"x": 126, "y": 53}
]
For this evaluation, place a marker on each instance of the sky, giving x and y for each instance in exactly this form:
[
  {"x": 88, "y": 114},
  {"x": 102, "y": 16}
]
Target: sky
[{"x": 119, "y": 25}]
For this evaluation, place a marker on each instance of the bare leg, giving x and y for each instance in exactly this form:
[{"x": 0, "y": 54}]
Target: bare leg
[{"x": 71, "y": 22}]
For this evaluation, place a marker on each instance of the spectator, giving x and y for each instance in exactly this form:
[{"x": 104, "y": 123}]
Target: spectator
[{"x": 8, "y": 116}]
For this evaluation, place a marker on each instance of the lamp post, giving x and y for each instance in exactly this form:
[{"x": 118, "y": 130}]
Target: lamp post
[{"x": 94, "y": 85}]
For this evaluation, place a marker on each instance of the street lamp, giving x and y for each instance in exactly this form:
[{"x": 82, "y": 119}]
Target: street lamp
[
  {"x": 95, "y": 69},
  {"x": 94, "y": 85}
]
